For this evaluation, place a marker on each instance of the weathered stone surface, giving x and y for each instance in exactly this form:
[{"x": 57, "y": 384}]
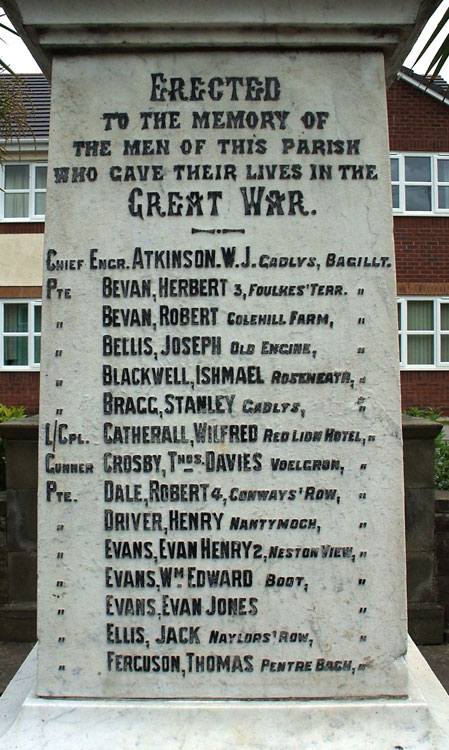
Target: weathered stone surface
[
  {"x": 443, "y": 593},
  {"x": 442, "y": 501},
  {"x": 11, "y": 656},
  {"x": 182, "y": 481},
  {"x": 21, "y": 577},
  {"x": 18, "y": 622},
  {"x": 420, "y": 576},
  {"x": 442, "y": 522},
  {"x": 418, "y": 463},
  {"x": 20, "y": 429},
  {"x": 420, "y": 519},
  {"x": 3, "y": 551},
  {"x": 417, "y": 721},
  {"x": 22, "y": 519},
  {"x": 392, "y": 28},
  {"x": 21, "y": 545},
  {"x": 21, "y": 464},
  {"x": 426, "y": 622},
  {"x": 222, "y": 379},
  {"x": 442, "y": 565},
  {"x": 442, "y": 544}
]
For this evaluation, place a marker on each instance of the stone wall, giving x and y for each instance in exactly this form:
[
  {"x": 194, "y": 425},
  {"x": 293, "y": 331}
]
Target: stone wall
[
  {"x": 425, "y": 613},
  {"x": 3, "y": 551},
  {"x": 442, "y": 552},
  {"x": 19, "y": 543}
]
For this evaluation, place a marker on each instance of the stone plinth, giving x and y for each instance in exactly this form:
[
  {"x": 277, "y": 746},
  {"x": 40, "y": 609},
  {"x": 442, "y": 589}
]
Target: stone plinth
[
  {"x": 220, "y": 492},
  {"x": 419, "y": 721}
]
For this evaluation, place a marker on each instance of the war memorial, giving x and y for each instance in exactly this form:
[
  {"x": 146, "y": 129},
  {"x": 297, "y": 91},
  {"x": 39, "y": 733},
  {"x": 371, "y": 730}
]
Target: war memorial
[{"x": 221, "y": 533}]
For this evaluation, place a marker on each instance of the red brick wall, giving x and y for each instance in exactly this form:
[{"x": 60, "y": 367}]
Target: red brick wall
[
  {"x": 22, "y": 227},
  {"x": 416, "y": 120},
  {"x": 425, "y": 388},
  {"x": 422, "y": 251},
  {"x": 20, "y": 389},
  {"x": 419, "y": 122}
]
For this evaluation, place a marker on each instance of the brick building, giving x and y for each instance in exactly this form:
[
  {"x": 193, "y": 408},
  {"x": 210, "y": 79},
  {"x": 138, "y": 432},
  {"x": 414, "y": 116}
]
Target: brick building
[
  {"x": 22, "y": 215},
  {"x": 419, "y": 141},
  {"x": 418, "y": 113}
]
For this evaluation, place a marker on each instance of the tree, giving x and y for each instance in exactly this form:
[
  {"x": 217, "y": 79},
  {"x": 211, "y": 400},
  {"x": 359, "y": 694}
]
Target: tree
[
  {"x": 442, "y": 54},
  {"x": 14, "y": 105}
]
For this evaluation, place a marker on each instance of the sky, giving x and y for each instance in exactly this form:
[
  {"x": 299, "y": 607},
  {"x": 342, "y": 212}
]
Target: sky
[
  {"x": 16, "y": 55},
  {"x": 423, "y": 64}
]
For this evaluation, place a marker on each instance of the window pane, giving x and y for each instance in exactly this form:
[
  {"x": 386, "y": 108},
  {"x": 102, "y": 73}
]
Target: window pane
[
  {"x": 16, "y": 350},
  {"x": 443, "y": 197},
  {"x": 16, "y": 205},
  {"x": 37, "y": 349},
  {"x": 394, "y": 168},
  {"x": 395, "y": 195},
  {"x": 37, "y": 318},
  {"x": 445, "y": 348},
  {"x": 399, "y": 315},
  {"x": 417, "y": 198},
  {"x": 41, "y": 178},
  {"x": 400, "y": 348},
  {"x": 420, "y": 350},
  {"x": 417, "y": 169},
  {"x": 39, "y": 203},
  {"x": 443, "y": 170},
  {"x": 16, "y": 318},
  {"x": 17, "y": 177},
  {"x": 420, "y": 316},
  {"x": 444, "y": 315}
]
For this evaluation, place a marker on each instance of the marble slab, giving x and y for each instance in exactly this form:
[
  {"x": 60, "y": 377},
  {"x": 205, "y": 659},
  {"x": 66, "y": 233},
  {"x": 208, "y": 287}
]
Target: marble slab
[
  {"x": 419, "y": 722},
  {"x": 220, "y": 504}
]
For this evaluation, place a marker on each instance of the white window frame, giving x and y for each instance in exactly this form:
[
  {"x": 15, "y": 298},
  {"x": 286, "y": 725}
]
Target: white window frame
[
  {"x": 435, "y": 333},
  {"x": 433, "y": 183},
  {"x": 31, "y": 190},
  {"x": 30, "y": 334}
]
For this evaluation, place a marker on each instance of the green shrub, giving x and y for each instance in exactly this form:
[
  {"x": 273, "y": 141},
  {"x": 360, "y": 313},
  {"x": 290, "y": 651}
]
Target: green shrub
[
  {"x": 441, "y": 446},
  {"x": 7, "y": 413},
  {"x": 441, "y": 463},
  {"x": 429, "y": 413}
]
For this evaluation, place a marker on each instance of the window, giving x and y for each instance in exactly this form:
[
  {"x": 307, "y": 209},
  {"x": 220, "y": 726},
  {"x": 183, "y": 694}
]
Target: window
[
  {"x": 424, "y": 333},
  {"x": 20, "y": 334},
  {"x": 23, "y": 192},
  {"x": 420, "y": 183}
]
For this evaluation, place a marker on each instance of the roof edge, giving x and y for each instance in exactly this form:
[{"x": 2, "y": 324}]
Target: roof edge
[{"x": 423, "y": 84}]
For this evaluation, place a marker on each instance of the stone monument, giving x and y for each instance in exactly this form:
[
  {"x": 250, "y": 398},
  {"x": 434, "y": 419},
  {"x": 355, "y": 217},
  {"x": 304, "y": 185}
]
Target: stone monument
[{"x": 220, "y": 502}]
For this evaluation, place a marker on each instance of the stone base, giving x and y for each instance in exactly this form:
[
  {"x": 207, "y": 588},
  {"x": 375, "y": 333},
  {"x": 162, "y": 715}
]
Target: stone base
[{"x": 420, "y": 721}]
